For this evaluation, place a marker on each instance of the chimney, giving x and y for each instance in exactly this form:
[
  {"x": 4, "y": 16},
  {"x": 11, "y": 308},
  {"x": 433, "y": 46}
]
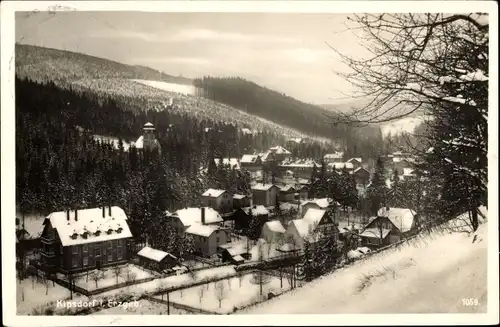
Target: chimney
[
  {"x": 203, "y": 215},
  {"x": 76, "y": 214},
  {"x": 67, "y": 214},
  {"x": 103, "y": 211}
]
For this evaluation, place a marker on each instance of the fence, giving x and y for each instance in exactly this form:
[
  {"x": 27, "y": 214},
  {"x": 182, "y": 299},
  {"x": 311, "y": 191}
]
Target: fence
[{"x": 182, "y": 306}]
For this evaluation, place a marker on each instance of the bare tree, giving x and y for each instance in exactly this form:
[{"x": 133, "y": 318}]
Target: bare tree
[
  {"x": 96, "y": 276},
  {"x": 70, "y": 278},
  {"x": 201, "y": 292},
  {"x": 220, "y": 292},
  {"x": 131, "y": 277},
  {"x": 117, "y": 272}
]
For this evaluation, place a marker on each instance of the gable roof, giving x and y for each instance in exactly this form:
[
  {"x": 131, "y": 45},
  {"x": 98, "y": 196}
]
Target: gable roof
[
  {"x": 357, "y": 159},
  {"x": 275, "y": 226},
  {"x": 189, "y": 216},
  {"x": 402, "y": 218},
  {"x": 90, "y": 221},
  {"x": 375, "y": 233},
  {"x": 240, "y": 196},
  {"x": 249, "y": 158},
  {"x": 262, "y": 187},
  {"x": 314, "y": 215},
  {"x": 202, "y": 230},
  {"x": 360, "y": 169},
  {"x": 322, "y": 203},
  {"x": 279, "y": 150},
  {"x": 213, "y": 193},
  {"x": 154, "y": 254},
  {"x": 287, "y": 188}
]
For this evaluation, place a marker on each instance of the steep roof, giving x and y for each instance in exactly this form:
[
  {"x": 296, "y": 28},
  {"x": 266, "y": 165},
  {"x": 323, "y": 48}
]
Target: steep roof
[
  {"x": 314, "y": 215},
  {"x": 249, "y": 158},
  {"x": 275, "y": 226},
  {"x": 375, "y": 233},
  {"x": 402, "y": 218},
  {"x": 359, "y": 169},
  {"x": 213, "y": 193},
  {"x": 90, "y": 221},
  {"x": 189, "y": 216},
  {"x": 154, "y": 254},
  {"x": 287, "y": 188},
  {"x": 357, "y": 159},
  {"x": 279, "y": 150},
  {"x": 322, "y": 203}
]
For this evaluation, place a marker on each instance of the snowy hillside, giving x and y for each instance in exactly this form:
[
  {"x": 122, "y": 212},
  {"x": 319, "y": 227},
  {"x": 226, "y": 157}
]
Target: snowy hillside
[
  {"x": 402, "y": 125},
  {"x": 432, "y": 274},
  {"x": 171, "y": 87}
]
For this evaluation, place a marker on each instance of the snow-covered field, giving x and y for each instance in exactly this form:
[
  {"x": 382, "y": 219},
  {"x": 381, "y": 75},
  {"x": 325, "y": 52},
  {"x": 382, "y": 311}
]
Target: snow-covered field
[
  {"x": 431, "y": 274},
  {"x": 171, "y": 87},
  {"x": 30, "y": 294},
  {"x": 107, "y": 277},
  {"x": 233, "y": 293},
  {"x": 400, "y": 126},
  {"x": 142, "y": 307}
]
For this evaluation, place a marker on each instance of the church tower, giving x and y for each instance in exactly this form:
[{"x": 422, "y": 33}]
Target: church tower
[{"x": 149, "y": 138}]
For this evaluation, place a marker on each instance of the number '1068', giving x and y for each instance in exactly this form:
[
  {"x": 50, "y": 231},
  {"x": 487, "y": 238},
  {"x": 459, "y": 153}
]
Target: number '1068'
[{"x": 470, "y": 302}]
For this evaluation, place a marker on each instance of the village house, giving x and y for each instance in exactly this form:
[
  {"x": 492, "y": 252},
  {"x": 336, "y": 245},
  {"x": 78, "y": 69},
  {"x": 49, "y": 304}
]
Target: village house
[
  {"x": 279, "y": 153},
  {"x": 315, "y": 224},
  {"x": 232, "y": 163},
  {"x": 303, "y": 192},
  {"x": 180, "y": 220},
  {"x": 148, "y": 141},
  {"x": 273, "y": 231},
  {"x": 241, "y": 201},
  {"x": 235, "y": 253},
  {"x": 361, "y": 176},
  {"x": 300, "y": 168},
  {"x": 323, "y": 204},
  {"x": 334, "y": 157},
  {"x": 356, "y": 162},
  {"x": 264, "y": 194},
  {"x": 219, "y": 200},
  {"x": 28, "y": 232},
  {"x": 243, "y": 216},
  {"x": 80, "y": 240},
  {"x": 156, "y": 259},
  {"x": 251, "y": 162},
  {"x": 338, "y": 167},
  {"x": 287, "y": 193},
  {"x": 390, "y": 226},
  {"x": 400, "y": 164},
  {"x": 207, "y": 238}
]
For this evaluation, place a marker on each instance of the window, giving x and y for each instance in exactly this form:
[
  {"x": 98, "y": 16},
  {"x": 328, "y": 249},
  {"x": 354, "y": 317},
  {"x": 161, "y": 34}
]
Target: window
[
  {"x": 85, "y": 261},
  {"x": 85, "y": 248},
  {"x": 75, "y": 249},
  {"x": 75, "y": 263},
  {"x": 217, "y": 240},
  {"x": 119, "y": 243},
  {"x": 110, "y": 256},
  {"x": 110, "y": 245},
  {"x": 97, "y": 251},
  {"x": 119, "y": 254}
]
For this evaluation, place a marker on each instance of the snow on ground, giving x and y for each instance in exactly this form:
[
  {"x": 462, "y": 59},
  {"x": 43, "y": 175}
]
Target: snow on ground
[
  {"x": 108, "y": 277},
  {"x": 171, "y": 87},
  {"x": 141, "y": 307},
  {"x": 233, "y": 293},
  {"x": 432, "y": 274},
  {"x": 402, "y": 125},
  {"x": 34, "y": 294}
]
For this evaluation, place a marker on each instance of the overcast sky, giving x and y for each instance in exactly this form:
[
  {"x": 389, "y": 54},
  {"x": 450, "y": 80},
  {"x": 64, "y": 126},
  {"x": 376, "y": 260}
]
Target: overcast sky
[{"x": 286, "y": 52}]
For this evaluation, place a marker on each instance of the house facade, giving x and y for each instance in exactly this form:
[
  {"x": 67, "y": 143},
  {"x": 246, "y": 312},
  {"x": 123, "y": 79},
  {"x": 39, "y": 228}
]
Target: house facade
[
  {"x": 264, "y": 194},
  {"x": 273, "y": 232},
  {"x": 243, "y": 216},
  {"x": 80, "y": 240},
  {"x": 219, "y": 200},
  {"x": 207, "y": 238},
  {"x": 287, "y": 193},
  {"x": 251, "y": 162},
  {"x": 361, "y": 176},
  {"x": 156, "y": 259}
]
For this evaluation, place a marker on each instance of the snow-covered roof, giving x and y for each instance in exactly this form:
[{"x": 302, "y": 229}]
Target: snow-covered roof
[
  {"x": 287, "y": 188},
  {"x": 303, "y": 226},
  {"x": 262, "y": 187},
  {"x": 154, "y": 254},
  {"x": 275, "y": 226},
  {"x": 358, "y": 159},
  {"x": 235, "y": 248},
  {"x": 341, "y": 165},
  {"x": 322, "y": 203},
  {"x": 238, "y": 258},
  {"x": 375, "y": 232},
  {"x": 239, "y": 196},
  {"x": 249, "y": 158},
  {"x": 288, "y": 247},
  {"x": 314, "y": 215},
  {"x": 297, "y": 140},
  {"x": 279, "y": 150},
  {"x": 148, "y": 126},
  {"x": 246, "y": 131},
  {"x": 33, "y": 227},
  {"x": 257, "y": 210},
  {"x": 336, "y": 155},
  {"x": 110, "y": 227},
  {"x": 232, "y": 162},
  {"x": 360, "y": 168},
  {"x": 263, "y": 156},
  {"x": 407, "y": 171},
  {"x": 402, "y": 218},
  {"x": 189, "y": 216},
  {"x": 202, "y": 230},
  {"x": 213, "y": 193}
]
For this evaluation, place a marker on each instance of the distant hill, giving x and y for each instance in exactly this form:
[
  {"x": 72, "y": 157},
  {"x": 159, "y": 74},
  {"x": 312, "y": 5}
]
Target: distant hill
[{"x": 44, "y": 64}]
